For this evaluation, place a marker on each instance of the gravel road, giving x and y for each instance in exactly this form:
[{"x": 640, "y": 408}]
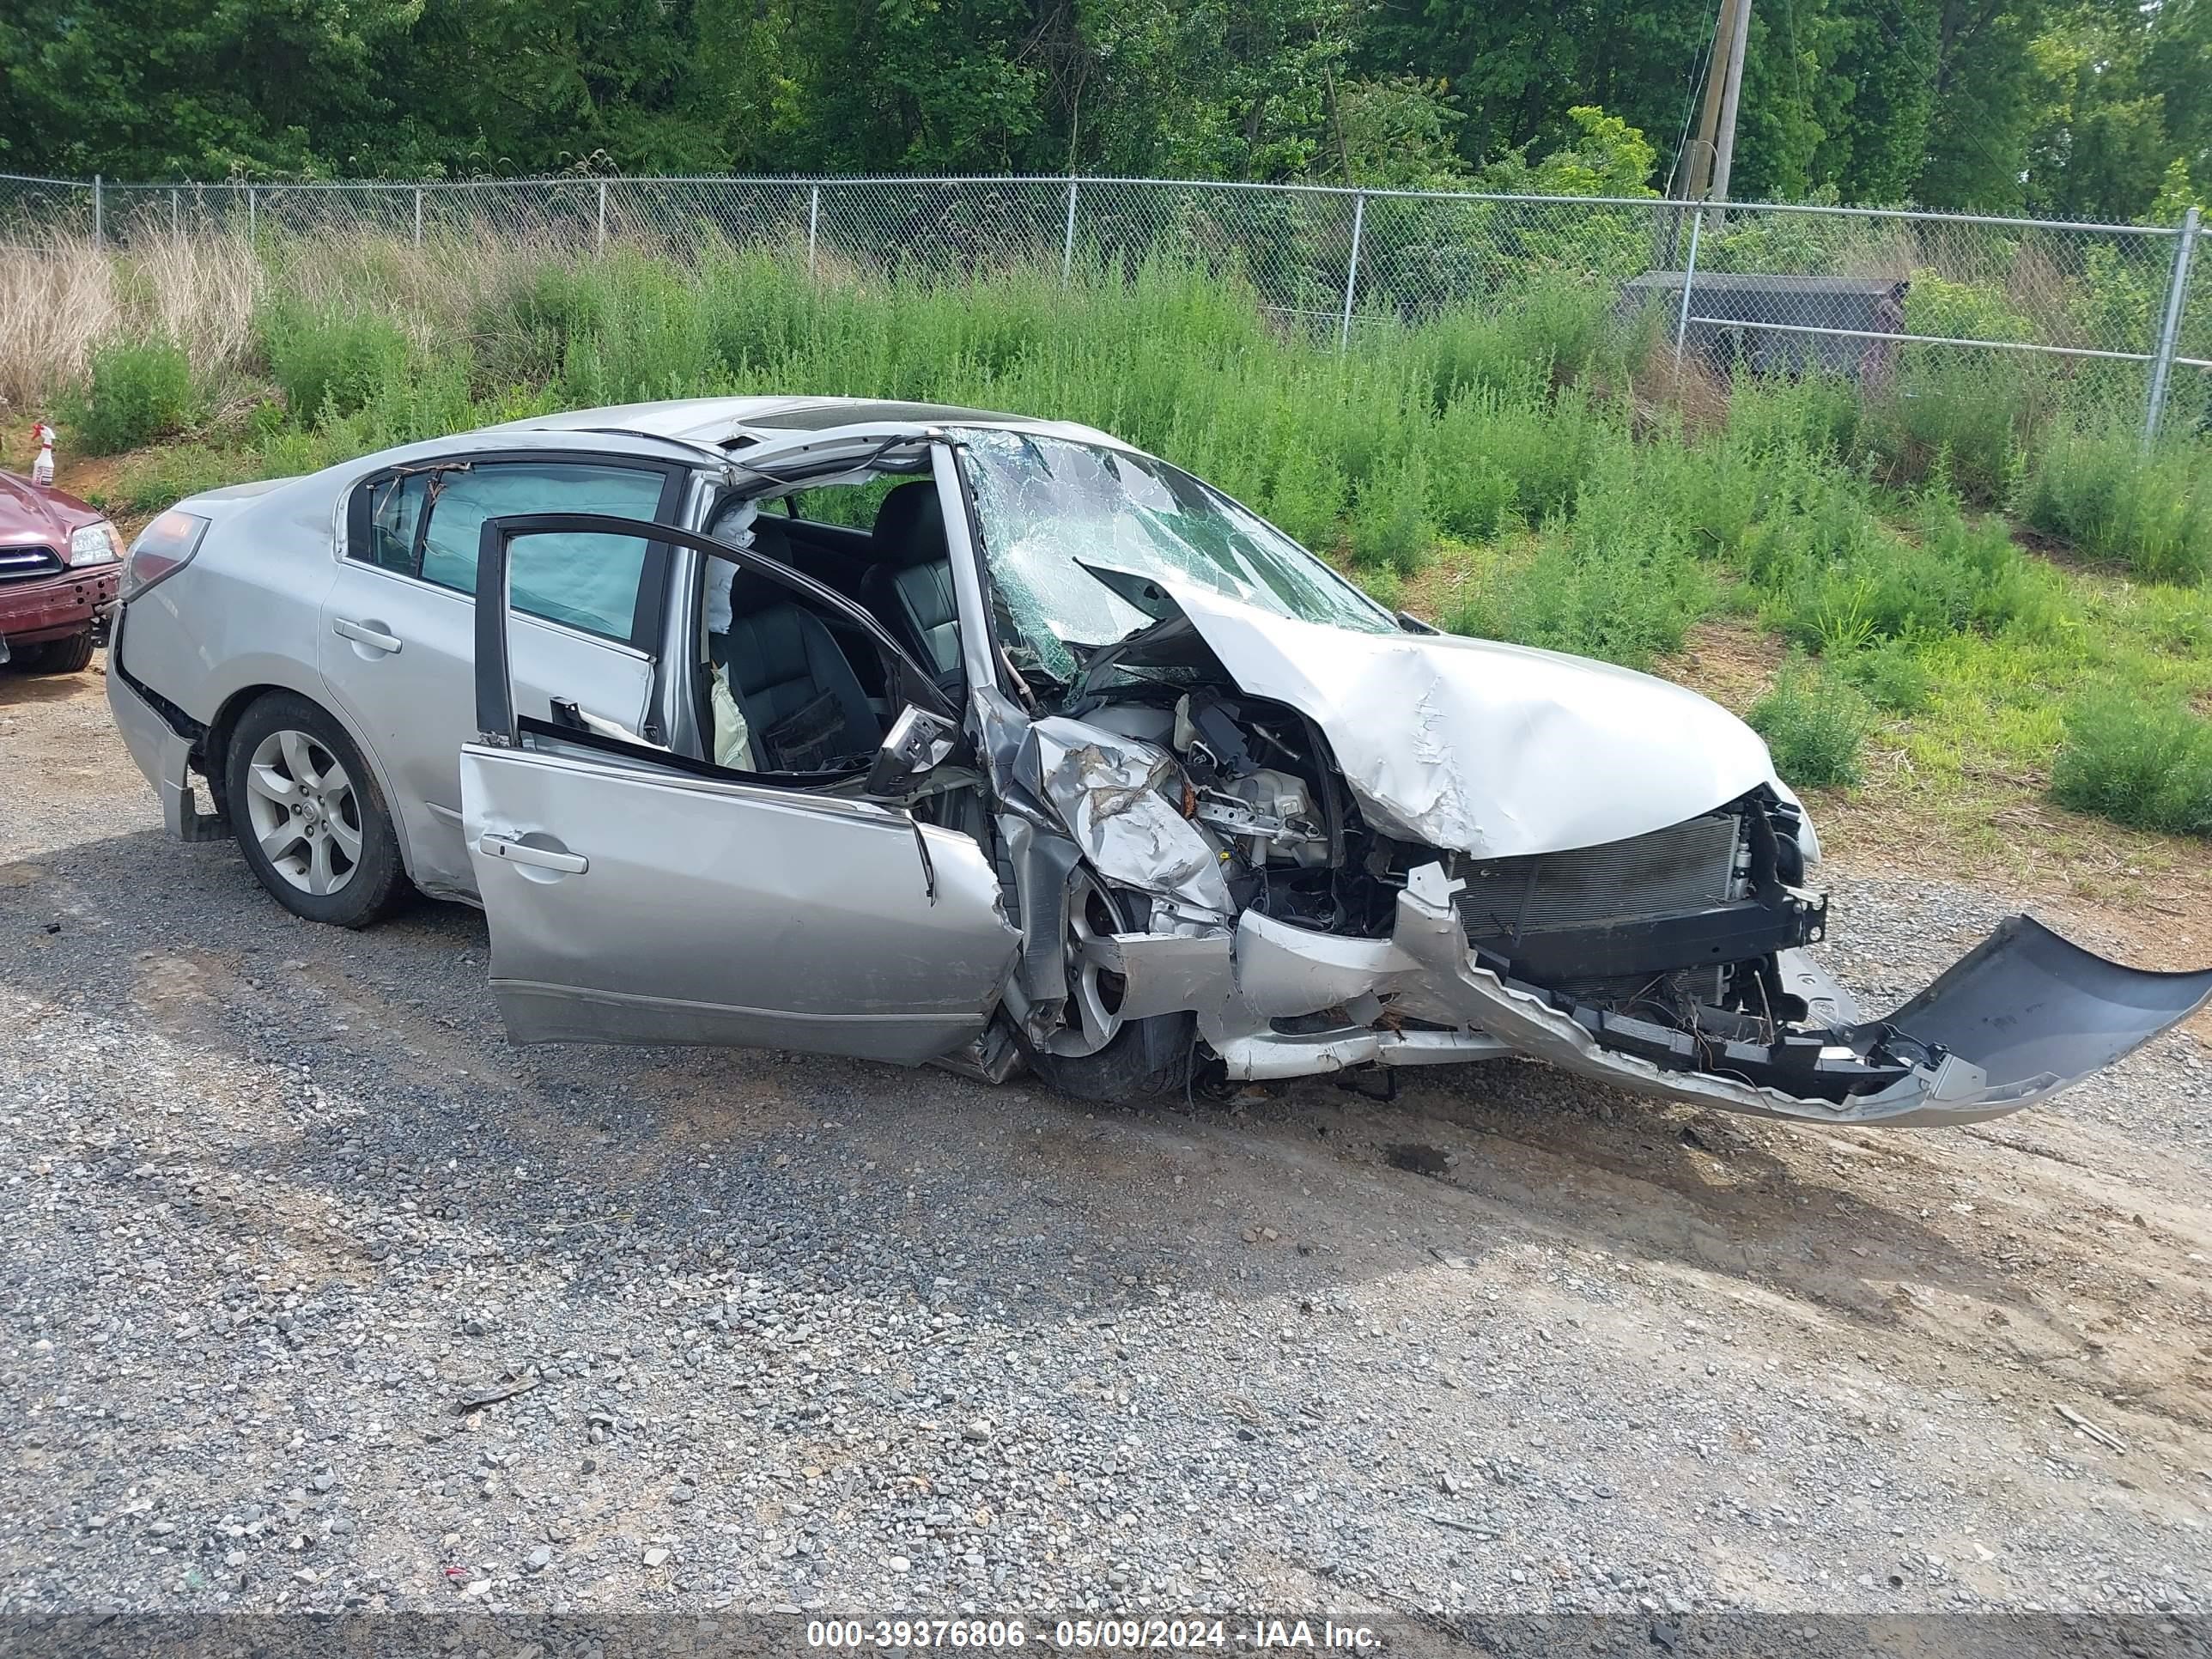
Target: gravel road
[{"x": 319, "y": 1295}]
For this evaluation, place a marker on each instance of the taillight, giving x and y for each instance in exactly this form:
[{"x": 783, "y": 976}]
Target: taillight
[{"x": 163, "y": 548}]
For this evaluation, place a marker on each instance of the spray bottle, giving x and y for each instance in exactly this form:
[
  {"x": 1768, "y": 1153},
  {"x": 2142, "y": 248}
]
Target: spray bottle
[{"x": 42, "y": 469}]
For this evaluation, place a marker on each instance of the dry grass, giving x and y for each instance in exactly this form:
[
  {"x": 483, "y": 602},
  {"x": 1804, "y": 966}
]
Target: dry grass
[
  {"x": 56, "y": 301},
  {"x": 199, "y": 293},
  {"x": 60, "y": 299},
  {"x": 434, "y": 291}
]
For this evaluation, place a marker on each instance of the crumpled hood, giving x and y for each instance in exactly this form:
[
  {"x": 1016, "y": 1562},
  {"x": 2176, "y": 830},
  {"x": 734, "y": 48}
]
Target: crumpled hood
[
  {"x": 32, "y": 516},
  {"x": 1497, "y": 751}
]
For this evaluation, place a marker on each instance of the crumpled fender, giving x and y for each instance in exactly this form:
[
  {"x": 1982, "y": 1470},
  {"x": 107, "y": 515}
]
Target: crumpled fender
[{"x": 1106, "y": 788}]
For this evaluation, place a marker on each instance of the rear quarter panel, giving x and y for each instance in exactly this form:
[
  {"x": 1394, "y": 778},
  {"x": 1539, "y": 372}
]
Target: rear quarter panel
[{"x": 244, "y": 612}]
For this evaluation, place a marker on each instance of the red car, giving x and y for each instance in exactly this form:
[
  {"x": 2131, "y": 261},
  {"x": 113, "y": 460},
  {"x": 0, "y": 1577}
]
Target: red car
[{"x": 59, "y": 562}]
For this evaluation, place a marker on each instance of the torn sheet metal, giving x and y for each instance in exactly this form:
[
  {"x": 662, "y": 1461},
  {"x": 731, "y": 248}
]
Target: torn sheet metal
[
  {"x": 1499, "y": 751},
  {"x": 1108, "y": 789}
]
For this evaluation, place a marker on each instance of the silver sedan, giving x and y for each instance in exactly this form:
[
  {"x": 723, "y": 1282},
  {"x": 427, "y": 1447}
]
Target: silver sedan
[{"x": 927, "y": 734}]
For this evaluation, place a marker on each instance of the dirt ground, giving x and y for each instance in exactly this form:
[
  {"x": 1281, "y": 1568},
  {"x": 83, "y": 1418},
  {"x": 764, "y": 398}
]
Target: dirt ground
[{"x": 1644, "y": 1355}]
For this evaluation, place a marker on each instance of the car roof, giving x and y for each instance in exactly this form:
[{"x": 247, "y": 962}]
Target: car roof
[{"x": 739, "y": 423}]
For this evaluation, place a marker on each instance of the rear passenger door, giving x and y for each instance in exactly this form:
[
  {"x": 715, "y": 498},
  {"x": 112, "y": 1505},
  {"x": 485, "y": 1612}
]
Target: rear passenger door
[{"x": 397, "y": 648}]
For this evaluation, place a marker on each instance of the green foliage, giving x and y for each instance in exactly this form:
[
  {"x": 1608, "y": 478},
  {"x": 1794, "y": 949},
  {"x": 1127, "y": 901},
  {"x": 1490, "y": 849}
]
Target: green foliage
[
  {"x": 1814, "y": 724},
  {"x": 1891, "y": 673},
  {"x": 2143, "y": 763},
  {"x": 1504, "y": 471},
  {"x": 1604, "y": 155},
  {"x": 159, "y": 477},
  {"x": 2177, "y": 194},
  {"x": 1934, "y": 304},
  {"x": 1953, "y": 417},
  {"x": 1391, "y": 526},
  {"x": 1611, "y": 580},
  {"x": 2152, "y": 512},
  {"x": 2078, "y": 108},
  {"x": 331, "y": 359},
  {"x": 139, "y": 391},
  {"x": 1841, "y": 579},
  {"x": 1816, "y": 414}
]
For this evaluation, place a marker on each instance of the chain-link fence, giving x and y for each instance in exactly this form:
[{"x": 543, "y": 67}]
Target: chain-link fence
[
  {"x": 2189, "y": 398},
  {"x": 2017, "y": 311}
]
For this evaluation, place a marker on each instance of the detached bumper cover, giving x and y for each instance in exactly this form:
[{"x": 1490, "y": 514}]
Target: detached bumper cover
[
  {"x": 2035, "y": 1011},
  {"x": 2020, "y": 1017}
]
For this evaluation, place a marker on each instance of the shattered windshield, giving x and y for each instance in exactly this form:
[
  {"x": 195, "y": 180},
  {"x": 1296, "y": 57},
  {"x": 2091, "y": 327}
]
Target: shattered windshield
[{"x": 1049, "y": 506}]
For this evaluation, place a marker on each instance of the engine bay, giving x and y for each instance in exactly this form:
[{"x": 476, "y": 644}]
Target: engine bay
[{"x": 1681, "y": 947}]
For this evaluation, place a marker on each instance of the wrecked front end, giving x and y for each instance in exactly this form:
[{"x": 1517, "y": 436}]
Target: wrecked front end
[{"x": 1300, "y": 924}]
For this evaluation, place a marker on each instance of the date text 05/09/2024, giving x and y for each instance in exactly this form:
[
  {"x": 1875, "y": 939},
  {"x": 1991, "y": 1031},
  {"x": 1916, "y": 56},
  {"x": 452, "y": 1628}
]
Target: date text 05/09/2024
[{"x": 1093, "y": 1635}]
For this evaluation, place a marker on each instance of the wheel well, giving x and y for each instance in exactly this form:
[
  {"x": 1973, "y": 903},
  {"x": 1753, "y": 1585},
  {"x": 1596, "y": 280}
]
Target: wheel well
[
  {"x": 214, "y": 751},
  {"x": 212, "y": 755}
]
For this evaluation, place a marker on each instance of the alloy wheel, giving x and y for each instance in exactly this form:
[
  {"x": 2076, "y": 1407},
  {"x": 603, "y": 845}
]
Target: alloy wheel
[
  {"x": 304, "y": 814},
  {"x": 1094, "y": 998}
]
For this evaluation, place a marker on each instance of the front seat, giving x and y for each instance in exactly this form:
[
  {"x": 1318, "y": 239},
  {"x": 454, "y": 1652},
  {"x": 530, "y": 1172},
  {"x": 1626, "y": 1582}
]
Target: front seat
[
  {"x": 910, "y": 586},
  {"x": 802, "y": 702}
]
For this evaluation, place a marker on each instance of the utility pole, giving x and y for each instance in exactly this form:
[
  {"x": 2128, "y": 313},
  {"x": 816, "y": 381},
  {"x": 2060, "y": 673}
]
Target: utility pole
[
  {"x": 1714, "y": 148},
  {"x": 1730, "y": 93},
  {"x": 1698, "y": 164}
]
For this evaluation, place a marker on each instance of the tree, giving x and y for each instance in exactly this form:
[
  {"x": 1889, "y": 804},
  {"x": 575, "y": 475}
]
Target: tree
[
  {"x": 185, "y": 89},
  {"x": 2075, "y": 106}
]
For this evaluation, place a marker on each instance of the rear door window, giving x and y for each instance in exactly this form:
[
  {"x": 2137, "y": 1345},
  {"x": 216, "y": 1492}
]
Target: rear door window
[{"x": 426, "y": 524}]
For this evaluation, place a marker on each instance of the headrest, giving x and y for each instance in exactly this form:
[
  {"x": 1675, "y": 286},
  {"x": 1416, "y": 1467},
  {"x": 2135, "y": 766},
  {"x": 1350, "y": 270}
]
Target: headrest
[{"x": 911, "y": 526}]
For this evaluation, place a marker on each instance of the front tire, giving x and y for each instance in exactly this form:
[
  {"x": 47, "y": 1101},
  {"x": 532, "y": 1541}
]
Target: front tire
[
  {"x": 308, "y": 816},
  {"x": 1098, "y": 1055},
  {"x": 71, "y": 656}
]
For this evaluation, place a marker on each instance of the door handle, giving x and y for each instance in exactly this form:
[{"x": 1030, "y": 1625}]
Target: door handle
[
  {"x": 363, "y": 634},
  {"x": 518, "y": 851}
]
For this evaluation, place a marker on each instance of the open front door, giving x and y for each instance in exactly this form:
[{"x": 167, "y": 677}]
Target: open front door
[{"x": 637, "y": 899}]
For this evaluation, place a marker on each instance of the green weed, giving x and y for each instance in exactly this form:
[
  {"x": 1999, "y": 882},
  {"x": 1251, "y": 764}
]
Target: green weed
[
  {"x": 2152, "y": 512},
  {"x": 159, "y": 477},
  {"x": 330, "y": 361},
  {"x": 2140, "y": 763},
  {"x": 1517, "y": 445},
  {"x": 140, "y": 390},
  {"x": 1815, "y": 723}
]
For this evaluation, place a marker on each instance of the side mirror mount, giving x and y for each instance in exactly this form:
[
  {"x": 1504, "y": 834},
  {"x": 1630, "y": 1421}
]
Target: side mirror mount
[{"x": 918, "y": 743}]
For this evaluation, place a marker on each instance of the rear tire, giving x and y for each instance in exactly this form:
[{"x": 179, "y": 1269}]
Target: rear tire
[
  {"x": 69, "y": 656},
  {"x": 309, "y": 819}
]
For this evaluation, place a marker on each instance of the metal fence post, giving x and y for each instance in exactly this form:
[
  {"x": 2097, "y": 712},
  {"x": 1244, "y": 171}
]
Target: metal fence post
[
  {"x": 418, "y": 216},
  {"x": 2169, "y": 327},
  {"x": 176, "y": 213},
  {"x": 1067, "y": 238},
  {"x": 814, "y": 222},
  {"x": 1689, "y": 271},
  {"x": 1351, "y": 271},
  {"x": 252, "y": 213},
  {"x": 99, "y": 224},
  {"x": 603, "y": 218}
]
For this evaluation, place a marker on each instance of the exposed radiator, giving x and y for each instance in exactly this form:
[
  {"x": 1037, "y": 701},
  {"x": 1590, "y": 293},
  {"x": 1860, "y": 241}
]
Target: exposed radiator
[{"x": 1685, "y": 866}]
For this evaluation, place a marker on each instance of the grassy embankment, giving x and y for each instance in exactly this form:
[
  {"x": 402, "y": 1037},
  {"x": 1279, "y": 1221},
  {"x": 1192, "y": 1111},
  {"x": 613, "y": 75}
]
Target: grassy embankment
[{"x": 1955, "y": 608}]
